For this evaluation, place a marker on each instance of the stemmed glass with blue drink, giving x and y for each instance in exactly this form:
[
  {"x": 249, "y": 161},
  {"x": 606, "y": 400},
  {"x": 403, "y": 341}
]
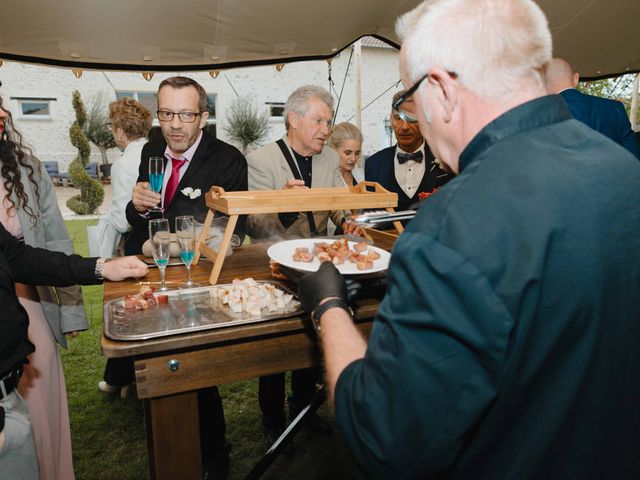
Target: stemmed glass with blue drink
[
  {"x": 186, "y": 234},
  {"x": 156, "y": 176},
  {"x": 160, "y": 237}
]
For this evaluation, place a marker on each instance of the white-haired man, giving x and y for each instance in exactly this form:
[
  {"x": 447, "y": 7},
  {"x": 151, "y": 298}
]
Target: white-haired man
[
  {"x": 507, "y": 343},
  {"x": 297, "y": 160}
]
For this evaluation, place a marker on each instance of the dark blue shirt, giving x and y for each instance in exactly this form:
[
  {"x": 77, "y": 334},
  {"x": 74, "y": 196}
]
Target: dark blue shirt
[
  {"x": 507, "y": 346},
  {"x": 304, "y": 164}
]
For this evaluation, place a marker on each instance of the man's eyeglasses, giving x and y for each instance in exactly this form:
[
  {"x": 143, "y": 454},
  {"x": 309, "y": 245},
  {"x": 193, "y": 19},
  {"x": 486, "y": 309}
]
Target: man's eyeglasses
[
  {"x": 186, "y": 117},
  {"x": 403, "y": 114}
]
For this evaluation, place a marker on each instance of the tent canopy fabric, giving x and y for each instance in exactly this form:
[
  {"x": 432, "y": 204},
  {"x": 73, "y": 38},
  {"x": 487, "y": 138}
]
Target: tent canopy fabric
[{"x": 599, "y": 37}]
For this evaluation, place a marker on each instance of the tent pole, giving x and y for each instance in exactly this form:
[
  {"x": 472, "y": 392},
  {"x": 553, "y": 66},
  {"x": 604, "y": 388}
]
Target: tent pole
[
  {"x": 633, "y": 112},
  {"x": 357, "y": 57}
]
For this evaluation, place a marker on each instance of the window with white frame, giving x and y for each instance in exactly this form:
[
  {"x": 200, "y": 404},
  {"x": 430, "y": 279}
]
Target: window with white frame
[
  {"x": 276, "y": 109},
  {"x": 211, "y": 108},
  {"x": 148, "y": 99},
  {"x": 34, "y": 108}
]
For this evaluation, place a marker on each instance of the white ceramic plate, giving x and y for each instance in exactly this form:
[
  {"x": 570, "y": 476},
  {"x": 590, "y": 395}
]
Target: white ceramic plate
[{"x": 282, "y": 252}]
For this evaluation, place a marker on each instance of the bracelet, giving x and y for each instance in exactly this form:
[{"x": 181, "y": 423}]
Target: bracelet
[
  {"x": 320, "y": 309},
  {"x": 99, "y": 266}
]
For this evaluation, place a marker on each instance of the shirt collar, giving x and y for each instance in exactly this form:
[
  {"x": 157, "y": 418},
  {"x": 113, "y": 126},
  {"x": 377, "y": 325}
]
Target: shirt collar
[
  {"x": 300, "y": 157},
  {"x": 285, "y": 137},
  {"x": 188, "y": 154},
  {"x": 134, "y": 143},
  {"x": 533, "y": 114},
  {"x": 419, "y": 149}
]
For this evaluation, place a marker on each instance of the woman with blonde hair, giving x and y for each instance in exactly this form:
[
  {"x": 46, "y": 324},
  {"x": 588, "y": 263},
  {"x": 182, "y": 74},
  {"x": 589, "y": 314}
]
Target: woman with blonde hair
[
  {"x": 130, "y": 124},
  {"x": 346, "y": 139}
]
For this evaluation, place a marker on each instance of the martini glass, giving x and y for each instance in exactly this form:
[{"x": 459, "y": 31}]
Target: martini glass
[{"x": 161, "y": 241}]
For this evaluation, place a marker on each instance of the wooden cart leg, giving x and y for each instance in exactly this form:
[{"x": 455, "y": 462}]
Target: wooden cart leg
[
  {"x": 203, "y": 235},
  {"x": 222, "y": 251},
  {"x": 173, "y": 437}
]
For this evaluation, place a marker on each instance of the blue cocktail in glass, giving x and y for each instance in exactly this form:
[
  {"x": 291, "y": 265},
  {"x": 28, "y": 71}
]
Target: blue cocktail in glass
[
  {"x": 186, "y": 235},
  {"x": 156, "y": 177}
]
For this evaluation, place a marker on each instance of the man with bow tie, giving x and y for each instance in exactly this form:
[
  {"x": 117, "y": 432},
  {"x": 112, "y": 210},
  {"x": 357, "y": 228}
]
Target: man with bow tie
[{"x": 408, "y": 168}]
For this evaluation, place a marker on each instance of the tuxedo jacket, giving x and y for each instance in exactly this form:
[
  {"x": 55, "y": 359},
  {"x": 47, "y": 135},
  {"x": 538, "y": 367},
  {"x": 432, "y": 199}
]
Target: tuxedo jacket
[
  {"x": 214, "y": 163},
  {"x": 380, "y": 167},
  {"x": 604, "y": 115}
]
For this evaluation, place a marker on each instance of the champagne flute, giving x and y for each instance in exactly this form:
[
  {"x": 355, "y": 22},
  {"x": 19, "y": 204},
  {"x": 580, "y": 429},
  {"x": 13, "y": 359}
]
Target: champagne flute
[
  {"x": 156, "y": 176},
  {"x": 160, "y": 237},
  {"x": 186, "y": 234}
]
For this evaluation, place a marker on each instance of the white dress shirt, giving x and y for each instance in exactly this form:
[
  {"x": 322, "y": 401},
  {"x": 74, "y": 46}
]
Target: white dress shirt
[
  {"x": 187, "y": 156},
  {"x": 409, "y": 174}
]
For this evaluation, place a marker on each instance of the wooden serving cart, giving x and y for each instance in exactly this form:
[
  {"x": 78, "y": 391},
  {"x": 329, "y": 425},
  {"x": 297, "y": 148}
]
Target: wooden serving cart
[{"x": 234, "y": 204}]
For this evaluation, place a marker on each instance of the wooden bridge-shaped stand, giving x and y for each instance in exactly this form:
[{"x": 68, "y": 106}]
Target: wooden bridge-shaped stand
[{"x": 234, "y": 204}]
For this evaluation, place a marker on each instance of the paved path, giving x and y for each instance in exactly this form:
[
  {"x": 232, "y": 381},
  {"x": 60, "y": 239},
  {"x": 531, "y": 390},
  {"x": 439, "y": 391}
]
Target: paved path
[{"x": 64, "y": 193}]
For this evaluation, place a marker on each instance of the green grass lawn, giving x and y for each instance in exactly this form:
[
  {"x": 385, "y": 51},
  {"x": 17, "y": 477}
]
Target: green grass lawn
[{"x": 108, "y": 433}]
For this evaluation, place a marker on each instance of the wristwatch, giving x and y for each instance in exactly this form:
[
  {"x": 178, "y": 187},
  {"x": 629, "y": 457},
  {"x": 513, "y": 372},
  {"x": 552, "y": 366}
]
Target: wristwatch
[
  {"x": 99, "y": 266},
  {"x": 320, "y": 309}
]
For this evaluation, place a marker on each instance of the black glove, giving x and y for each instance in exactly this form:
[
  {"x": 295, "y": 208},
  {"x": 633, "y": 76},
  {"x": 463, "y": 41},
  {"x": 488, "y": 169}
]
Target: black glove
[{"x": 317, "y": 286}]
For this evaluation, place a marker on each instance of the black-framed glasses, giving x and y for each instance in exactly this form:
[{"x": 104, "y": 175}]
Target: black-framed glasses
[
  {"x": 403, "y": 114},
  {"x": 186, "y": 117}
]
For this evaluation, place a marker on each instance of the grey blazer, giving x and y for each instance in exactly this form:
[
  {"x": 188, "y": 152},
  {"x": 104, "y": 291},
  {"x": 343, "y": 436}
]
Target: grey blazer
[
  {"x": 269, "y": 170},
  {"x": 63, "y": 307}
]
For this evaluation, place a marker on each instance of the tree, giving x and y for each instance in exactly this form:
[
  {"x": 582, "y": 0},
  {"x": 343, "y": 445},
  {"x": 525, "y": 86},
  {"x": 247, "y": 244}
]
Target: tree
[
  {"x": 91, "y": 192},
  {"x": 245, "y": 125},
  {"x": 618, "y": 88},
  {"x": 95, "y": 128}
]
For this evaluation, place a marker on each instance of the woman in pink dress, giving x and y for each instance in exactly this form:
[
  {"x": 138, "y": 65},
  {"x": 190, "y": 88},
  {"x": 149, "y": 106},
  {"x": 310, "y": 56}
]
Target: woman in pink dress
[{"x": 29, "y": 210}]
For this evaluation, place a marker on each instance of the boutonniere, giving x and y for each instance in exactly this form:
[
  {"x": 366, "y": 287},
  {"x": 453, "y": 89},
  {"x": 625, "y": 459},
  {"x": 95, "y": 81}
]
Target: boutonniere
[
  {"x": 191, "y": 193},
  {"x": 423, "y": 195}
]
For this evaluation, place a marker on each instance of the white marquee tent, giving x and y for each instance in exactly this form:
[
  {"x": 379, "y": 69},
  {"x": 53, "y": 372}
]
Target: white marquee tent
[{"x": 599, "y": 37}]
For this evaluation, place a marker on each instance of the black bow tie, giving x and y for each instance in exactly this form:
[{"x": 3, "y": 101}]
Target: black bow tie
[{"x": 415, "y": 156}]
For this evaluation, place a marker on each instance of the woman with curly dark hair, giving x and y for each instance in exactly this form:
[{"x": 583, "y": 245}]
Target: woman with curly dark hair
[{"x": 30, "y": 212}]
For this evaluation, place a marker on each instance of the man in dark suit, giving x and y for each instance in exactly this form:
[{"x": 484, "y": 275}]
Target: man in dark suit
[
  {"x": 192, "y": 156},
  {"x": 602, "y": 114},
  {"x": 408, "y": 168},
  {"x": 195, "y": 160}
]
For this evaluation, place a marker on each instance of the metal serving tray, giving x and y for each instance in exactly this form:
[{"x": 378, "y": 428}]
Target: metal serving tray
[{"x": 188, "y": 310}]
